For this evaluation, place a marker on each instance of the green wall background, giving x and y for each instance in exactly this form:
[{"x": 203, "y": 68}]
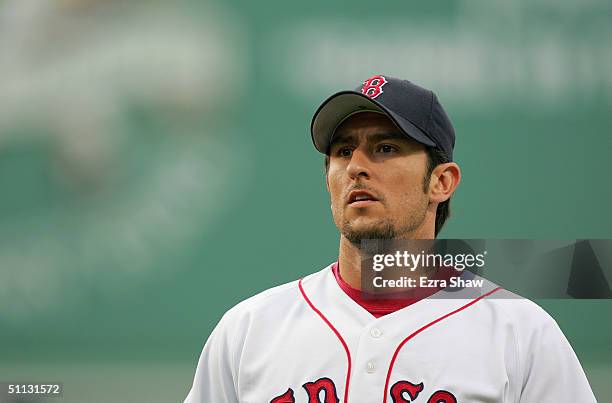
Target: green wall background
[{"x": 156, "y": 166}]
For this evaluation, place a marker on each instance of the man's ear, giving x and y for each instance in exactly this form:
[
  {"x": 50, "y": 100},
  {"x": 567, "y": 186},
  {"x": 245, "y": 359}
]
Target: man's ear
[
  {"x": 443, "y": 181},
  {"x": 327, "y": 181}
]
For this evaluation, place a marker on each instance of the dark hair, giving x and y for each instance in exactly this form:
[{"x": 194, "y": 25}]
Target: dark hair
[{"x": 435, "y": 157}]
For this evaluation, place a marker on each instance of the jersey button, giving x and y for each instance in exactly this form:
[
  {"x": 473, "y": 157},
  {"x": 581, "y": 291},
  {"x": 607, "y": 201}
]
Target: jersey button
[
  {"x": 371, "y": 367},
  {"x": 375, "y": 332}
]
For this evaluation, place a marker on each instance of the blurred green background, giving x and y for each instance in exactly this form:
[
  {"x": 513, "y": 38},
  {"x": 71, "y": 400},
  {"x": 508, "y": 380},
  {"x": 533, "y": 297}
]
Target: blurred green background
[{"x": 156, "y": 164}]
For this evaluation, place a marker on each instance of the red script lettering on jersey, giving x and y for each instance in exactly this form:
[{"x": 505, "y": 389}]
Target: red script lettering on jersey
[{"x": 397, "y": 392}]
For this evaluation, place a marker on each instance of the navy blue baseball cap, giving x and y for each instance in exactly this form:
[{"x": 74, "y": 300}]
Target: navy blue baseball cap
[{"x": 415, "y": 110}]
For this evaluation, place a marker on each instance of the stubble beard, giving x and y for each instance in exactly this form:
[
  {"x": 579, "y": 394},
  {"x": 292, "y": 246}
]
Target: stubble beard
[{"x": 383, "y": 228}]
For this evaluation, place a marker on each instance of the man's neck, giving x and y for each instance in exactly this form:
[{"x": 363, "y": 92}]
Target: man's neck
[
  {"x": 349, "y": 261},
  {"x": 350, "y": 258}
]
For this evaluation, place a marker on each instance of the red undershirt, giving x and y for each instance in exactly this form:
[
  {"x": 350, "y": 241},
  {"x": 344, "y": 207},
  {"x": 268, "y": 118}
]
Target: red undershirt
[{"x": 378, "y": 306}]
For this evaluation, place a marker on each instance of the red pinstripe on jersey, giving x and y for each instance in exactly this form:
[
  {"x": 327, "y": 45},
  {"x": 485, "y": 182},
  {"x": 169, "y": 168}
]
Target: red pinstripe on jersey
[
  {"x": 337, "y": 333},
  {"x": 441, "y": 318},
  {"x": 399, "y": 347}
]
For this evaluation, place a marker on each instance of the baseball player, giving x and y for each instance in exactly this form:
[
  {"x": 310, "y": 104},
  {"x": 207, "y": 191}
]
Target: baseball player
[{"x": 390, "y": 174}]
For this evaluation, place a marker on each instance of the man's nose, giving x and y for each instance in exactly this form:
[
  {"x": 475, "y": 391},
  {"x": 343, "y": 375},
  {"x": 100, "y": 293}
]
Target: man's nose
[{"x": 359, "y": 164}]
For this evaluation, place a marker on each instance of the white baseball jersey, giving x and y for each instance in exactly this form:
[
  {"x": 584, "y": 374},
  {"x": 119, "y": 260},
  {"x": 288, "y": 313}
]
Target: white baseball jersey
[{"x": 309, "y": 342}]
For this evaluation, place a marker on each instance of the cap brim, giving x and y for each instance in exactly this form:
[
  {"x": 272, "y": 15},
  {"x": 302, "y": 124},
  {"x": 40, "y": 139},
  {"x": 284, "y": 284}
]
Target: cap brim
[{"x": 342, "y": 104}]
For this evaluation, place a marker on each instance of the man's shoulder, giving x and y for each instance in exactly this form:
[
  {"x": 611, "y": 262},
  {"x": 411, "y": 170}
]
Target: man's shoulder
[
  {"x": 504, "y": 305},
  {"x": 520, "y": 312},
  {"x": 275, "y": 300}
]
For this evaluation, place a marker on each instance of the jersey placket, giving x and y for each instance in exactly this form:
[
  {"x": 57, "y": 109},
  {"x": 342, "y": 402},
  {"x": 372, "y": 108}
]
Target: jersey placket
[{"x": 370, "y": 363}]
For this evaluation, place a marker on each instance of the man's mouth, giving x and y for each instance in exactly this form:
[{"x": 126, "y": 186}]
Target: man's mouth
[{"x": 360, "y": 198}]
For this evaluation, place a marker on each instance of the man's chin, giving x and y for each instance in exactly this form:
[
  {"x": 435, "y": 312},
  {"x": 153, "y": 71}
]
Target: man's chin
[{"x": 356, "y": 231}]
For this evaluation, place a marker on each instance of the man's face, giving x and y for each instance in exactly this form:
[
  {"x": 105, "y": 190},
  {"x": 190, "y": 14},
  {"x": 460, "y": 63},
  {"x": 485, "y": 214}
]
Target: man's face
[{"x": 375, "y": 179}]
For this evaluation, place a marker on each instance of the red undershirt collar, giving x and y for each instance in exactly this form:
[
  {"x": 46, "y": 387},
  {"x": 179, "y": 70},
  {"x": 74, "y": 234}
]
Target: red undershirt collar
[{"x": 382, "y": 306}]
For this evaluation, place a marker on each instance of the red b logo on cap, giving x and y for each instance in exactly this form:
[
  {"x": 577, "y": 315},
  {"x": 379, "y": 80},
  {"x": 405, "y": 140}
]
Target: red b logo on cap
[{"x": 372, "y": 87}]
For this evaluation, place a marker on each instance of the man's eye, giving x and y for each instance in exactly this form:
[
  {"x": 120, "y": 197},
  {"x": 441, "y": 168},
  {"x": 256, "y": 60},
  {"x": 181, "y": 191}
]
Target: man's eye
[
  {"x": 345, "y": 152},
  {"x": 386, "y": 148}
]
